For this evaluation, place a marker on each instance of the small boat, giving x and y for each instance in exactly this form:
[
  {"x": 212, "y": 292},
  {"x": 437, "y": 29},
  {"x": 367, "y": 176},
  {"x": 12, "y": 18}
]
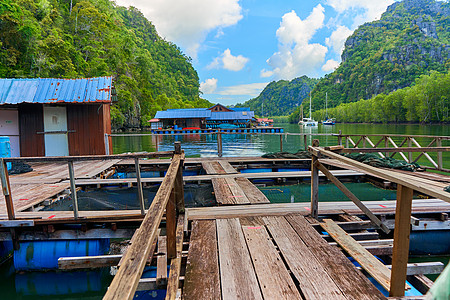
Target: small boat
[
  {"x": 329, "y": 121},
  {"x": 227, "y": 126}
]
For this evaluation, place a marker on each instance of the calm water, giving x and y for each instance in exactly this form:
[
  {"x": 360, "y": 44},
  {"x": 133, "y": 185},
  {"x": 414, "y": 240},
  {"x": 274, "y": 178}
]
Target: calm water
[{"x": 197, "y": 145}]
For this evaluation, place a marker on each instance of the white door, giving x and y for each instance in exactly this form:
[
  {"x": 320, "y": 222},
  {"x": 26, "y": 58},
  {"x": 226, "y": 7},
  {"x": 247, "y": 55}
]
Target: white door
[
  {"x": 9, "y": 126},
  {"x": 55, "y": 126}
]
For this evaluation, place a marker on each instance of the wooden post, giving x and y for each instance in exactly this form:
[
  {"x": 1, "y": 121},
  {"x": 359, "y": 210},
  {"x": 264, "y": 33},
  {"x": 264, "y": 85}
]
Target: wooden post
[
  {"x": 340, "y": 138},
  {"x": 439, "y": 154},
  {"x": 171, "y": 226},
  {"x": 219, "y": 143},
  {"x": 386, "y": 145},
  {"x": 107, "y": 144},
  {"x": 401, "y": 241},
  {"x": 346, "y": 142},
  {"x": 179, "y": 189},
  {"x": 281, "y": 143},
  {"x": 314, "y": 184},
  {"x": 410, "y": 158},
  {"x": 139, "y": 186},
  {"x": 305, "y": 143},
  {"x": 73, "y": 189},
  {"x": 7, "y": 190}
]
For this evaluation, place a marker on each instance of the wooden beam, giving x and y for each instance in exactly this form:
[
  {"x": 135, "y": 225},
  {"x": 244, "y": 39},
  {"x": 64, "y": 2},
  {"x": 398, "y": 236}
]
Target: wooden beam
[
  {"x": 402, "y": 179},
  {"x": 351, "y": 196},
  {"x": 127, "y": 278},
  {"x": 84, "y": 262},
  {"x": 161, "y": 261},
  {"x": 6, "y": 189},
  {"x": 314, "y": 187},
  {"x": 421, "y": 282},
  {"x": 401, "y": 241},
  {"x": 171, "y": 225},
  {"x": 139, "y": 186},
  {"x": 367, "y": 261},
  {"x": 398, "y": 149},
  {"x": 175, "y": 264}
]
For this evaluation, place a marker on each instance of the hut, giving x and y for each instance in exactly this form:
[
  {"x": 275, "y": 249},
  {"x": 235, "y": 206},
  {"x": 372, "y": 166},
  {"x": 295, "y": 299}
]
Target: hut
[
  {"x": 57, "y": 117},
  {"x": 203, "y": 118}
]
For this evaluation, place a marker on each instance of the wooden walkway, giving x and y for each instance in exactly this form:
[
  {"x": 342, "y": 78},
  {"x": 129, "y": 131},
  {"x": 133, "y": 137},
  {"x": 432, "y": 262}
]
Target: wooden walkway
[
  {"x": 272, "y": 257},
  {"x": 47, "y": 180}
]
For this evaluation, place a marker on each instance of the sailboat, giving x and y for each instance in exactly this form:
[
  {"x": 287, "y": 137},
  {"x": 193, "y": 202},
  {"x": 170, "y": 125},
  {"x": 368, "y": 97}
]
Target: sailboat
[
  {"x": 309, "y": 122},
  {"x": 331, "y": 121}
]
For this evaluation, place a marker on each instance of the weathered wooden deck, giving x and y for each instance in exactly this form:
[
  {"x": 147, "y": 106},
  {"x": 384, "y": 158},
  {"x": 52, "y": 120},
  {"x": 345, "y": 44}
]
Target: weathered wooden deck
[{"x": 273, "y": 257}]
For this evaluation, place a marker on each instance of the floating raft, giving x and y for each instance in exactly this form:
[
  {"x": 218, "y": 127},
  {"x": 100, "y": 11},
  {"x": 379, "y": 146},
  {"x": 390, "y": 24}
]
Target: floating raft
[{"x": 214, "y": 131}]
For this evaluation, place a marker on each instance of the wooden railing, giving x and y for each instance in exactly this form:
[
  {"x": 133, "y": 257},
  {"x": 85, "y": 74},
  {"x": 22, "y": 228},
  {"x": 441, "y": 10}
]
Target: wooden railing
[
  {"x": 385, "y": 146},
  {"x": 406, "y": 184},
  {"x": 170, "y": 197}
]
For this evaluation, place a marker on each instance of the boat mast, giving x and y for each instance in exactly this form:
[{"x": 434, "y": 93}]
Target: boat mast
[
  {"x": 310, "y": 113},
  {"x": 326, "y": 105}
]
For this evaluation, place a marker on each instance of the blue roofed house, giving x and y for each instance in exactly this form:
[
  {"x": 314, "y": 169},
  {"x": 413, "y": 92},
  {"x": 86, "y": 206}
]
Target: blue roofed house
[
  {"x": 203, "y": 118},
  {"x": 56, "y": 117}
]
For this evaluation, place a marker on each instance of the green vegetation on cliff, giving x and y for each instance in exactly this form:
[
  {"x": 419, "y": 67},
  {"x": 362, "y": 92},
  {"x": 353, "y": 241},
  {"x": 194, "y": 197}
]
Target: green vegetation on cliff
[
  {"x": 412, "y": 38},
  {"x": 428, "y": 100},
  {"x": 280, "y": 98},
  {"x": 88, "y": 38}
]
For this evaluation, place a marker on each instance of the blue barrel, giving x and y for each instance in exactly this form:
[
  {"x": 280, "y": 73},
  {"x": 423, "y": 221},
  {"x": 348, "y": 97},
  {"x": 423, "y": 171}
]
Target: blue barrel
[
  {"x": 429, "y": 242},
  {"x": 5, "y": 148},
  {"x": 43, "y": 255}
]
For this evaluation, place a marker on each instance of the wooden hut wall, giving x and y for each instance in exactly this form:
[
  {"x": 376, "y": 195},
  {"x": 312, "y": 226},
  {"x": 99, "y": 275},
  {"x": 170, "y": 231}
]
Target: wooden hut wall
[
  {"x": 31, "y": 122},
  {"x": 87, "y": 122}
]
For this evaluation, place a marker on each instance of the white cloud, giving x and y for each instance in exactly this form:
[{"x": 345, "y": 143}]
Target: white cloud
[
  {"x": 229, "y": 62},
  {"x": 187, "y": 22},
  {"x": 251, "y": 89},
  {"x": 373, "y": 8},
  {"x": 296, "y": 56},
  {"x": 266, "y": 73},
  {"x": 338, "y": 38},
  {"x": 330, "y": 65},
  {"x": 208, "y": 86}
]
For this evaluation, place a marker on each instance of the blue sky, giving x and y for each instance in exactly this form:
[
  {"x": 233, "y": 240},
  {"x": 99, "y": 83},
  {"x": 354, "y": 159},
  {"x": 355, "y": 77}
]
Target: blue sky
[{"x": 238, "y": 47}]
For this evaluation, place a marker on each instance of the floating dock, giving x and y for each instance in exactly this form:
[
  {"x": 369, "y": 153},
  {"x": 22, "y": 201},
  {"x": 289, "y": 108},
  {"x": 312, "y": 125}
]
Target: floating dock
[
  {"x": 245, "y": 247},
  {"x": 215, "y": 131}
]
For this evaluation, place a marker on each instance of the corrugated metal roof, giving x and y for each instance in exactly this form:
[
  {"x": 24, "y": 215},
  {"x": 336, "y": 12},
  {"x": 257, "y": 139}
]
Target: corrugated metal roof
[
  {"x": 183, "y": 114},
  {"x": 240, "y": 108},
  {"x": 230, "y": 115},
  {"x": 52, "y": 90}
]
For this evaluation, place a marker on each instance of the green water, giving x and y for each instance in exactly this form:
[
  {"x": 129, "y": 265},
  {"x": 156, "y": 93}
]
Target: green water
[{"x": 196, "y": 145}]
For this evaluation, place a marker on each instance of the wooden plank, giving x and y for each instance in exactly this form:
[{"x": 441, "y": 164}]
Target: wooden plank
[
  {"x": 237, "y": 276},
  {"x": 403, "y": 179},
  {"x": 401, "y": 241},
  {"x": 351, "y": 282},
  {"x": 84, "y": 262},
  {"x": 175, "y": 264},
  {"x": 208, "y": 167},
  {"x": 126, "y": 280},
  {"x": 312, "y": 278},
  {"x": 202, "y": 268},
  {"x": 254, "y": 195},
  {"x": 222, "y": 191},
  {"x": 314, "y": 188},
  {"x": 351, "y": 196},
  {"x": 274, "y": 279},
  {"x": 367, "y": 261},
  {"x": 227, "y": 167},
  {"x": 421, "y": 282},
  {"x": 161, "y": 261},
  {"x": 237, "y": 194}
]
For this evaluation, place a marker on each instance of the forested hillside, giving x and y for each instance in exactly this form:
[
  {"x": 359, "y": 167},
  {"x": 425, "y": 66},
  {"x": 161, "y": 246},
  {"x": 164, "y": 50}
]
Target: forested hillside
[
  {"x": 280, "y": 98},
  {"x": 428, "y": 100},
  {"x": 88, "y": 38},
  {"x": 411, "y": 38}
]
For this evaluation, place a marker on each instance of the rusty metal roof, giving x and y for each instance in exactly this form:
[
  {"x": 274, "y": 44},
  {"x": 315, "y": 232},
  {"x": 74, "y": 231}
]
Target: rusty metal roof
[{"x": 52, "y": 90}]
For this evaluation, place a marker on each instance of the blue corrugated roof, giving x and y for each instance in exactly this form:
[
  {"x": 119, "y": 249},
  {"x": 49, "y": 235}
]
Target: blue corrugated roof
[
  {"x": 52, "y": 90},
  {"x": 230, "y": 115},
  {"x": 183, "y": 114},
  {"x": 240, "y": 108}
]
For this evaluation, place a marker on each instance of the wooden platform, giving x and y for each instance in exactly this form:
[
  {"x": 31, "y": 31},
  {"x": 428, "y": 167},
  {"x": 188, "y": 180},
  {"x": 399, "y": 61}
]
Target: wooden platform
[
  {"x": 272, "y": 257},
  {"x": 48, "y": 180}
]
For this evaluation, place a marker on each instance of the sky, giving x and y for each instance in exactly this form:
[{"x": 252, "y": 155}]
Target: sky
[{"x": 238, "y": 47}]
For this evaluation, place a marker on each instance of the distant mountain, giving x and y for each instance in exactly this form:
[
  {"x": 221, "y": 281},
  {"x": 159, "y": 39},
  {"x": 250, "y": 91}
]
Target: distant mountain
[
  {"x": 411, "y": 38},
  {"x": 280, "y": 98}
]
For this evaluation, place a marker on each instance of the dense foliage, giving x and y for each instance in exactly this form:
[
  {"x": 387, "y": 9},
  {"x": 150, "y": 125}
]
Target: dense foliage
[
  {"x": 88, "y": 38},
  {"x": 280, "y": 98},
  {"x": 428, "y": 100},
  {"x": 412, "y": 38}
]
